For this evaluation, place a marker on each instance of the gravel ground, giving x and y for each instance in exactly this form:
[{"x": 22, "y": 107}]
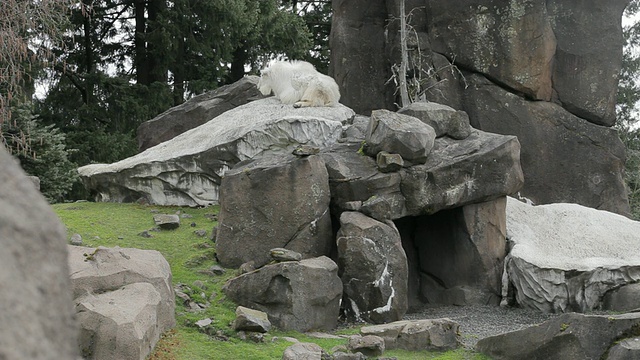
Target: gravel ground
[{"x": 478, "y": 322}]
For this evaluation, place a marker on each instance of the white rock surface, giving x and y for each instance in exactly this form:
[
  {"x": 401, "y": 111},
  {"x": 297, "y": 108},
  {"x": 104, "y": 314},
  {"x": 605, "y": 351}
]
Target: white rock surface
[
  {"x": 186, "y": 170},
  {"x": 566, "y": 257}
]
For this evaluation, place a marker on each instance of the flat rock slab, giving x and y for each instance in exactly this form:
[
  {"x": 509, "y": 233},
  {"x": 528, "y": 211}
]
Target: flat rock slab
[
  {"x": 566, "y": 257},
  {"x": 417, "y": 335},
  {"x": 186, "y": 170}
]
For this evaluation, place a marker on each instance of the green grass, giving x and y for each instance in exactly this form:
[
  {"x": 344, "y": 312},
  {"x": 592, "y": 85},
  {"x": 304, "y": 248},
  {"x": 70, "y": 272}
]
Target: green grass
[{"x": 109, "y": 224}]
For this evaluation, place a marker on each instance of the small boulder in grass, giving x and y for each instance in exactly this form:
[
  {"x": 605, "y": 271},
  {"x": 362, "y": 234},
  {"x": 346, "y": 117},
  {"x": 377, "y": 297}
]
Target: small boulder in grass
[
  {"x": 369, "y": 345},
  {"x": 167, "y": 221},
  {"x": 304, "y": 351},
  {"x": 251, "y": 320}
]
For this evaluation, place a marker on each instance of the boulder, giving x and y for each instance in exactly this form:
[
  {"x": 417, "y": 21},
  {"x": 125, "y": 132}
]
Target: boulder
[
  {"x": 103, "y": 270},
  {"x": 119, "y": 324},
  {"x": 460, "y": 254},
  {"x": 445, "y": 120},
  {"x": 373, "y": 268},
  {"x": 37, "y": 314},
  {"x": 368, "y": 345},
  {"x": 297, "y": 295},
  {"x": 251, "y": 320},
  {"x": 566, "y": 257},
  {"x": 479, "y": 168},
  {"x": 187, "y": 169},
  {"x": 167, "y": 221},
  {"x": 564, "y": 158},
  {"x": 624, "y": 298},
  {"x": 399, "y": 134},
  {"x": 196, "y": 111},
  {"x": 417, "y": 335},
  {"x": 509, "y": 41},
  {"x": 570, "y": 336},
  {"x": 304, "y": 351},
  {"x": 627, "y": 349},
  {"x": 588, "y": 56},
  {"x": 274, "y": 202},
  {"x": 389, "y": 162}
]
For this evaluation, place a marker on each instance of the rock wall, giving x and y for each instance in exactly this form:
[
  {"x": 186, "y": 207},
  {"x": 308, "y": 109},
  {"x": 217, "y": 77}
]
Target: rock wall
[{"x": 550, "y": 68}]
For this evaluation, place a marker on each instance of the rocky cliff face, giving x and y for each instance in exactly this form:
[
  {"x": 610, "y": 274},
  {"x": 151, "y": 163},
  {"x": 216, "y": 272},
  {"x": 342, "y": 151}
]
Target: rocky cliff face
[{"x": 543, "y": 70}]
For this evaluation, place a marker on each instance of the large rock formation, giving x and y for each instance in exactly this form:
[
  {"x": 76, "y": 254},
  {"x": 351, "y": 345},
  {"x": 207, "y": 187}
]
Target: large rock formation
[
  {"x": 196, "y": 111},
  {"x": 545, "y": 71},
  {"x": 36, "y": 313},
  {"x": 124, "y": 300},
  {"x": 566, "y": 257},
  {"x": 295, "y": 189},
  {"x": 186, "y": 170},
  {"x": 570, "y": 336}
]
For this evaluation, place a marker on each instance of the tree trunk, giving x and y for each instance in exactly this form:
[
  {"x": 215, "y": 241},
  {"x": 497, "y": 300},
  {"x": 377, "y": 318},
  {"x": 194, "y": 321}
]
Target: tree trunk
[
  {"x": 240, "y": 59},
  {"x": 158, "y": 69},
  {"x": 140, "y": 57}
]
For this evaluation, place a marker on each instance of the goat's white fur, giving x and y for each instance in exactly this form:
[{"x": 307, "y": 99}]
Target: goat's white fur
[{"x": 298, "y": 83}]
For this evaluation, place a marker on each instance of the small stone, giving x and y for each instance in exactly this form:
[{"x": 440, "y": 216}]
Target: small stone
[
  {"x": 186, "y": 216},
  {"x": 200, "y": 233},
  {"x": 166, "y": 221},
  {"x": 193, "y": 224},
  {"x": 145, "y": 234},
  {"x": 369, "y": 345},
  {"x": 306, "y": 150},
  {"x": 389, "y": 162},
  {"x": 282, "y": 254},
  {"x": 251, "y": 320},
  {"x": 247, "y": 267},
  {"x": 199, "y": 284},
  {"x": 217, "y": 270},
  {"x": 76, "y": 240}
]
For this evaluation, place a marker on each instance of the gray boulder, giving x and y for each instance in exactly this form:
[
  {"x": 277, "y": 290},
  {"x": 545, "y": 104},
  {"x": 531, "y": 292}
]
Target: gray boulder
[
  {"x": 251, "y": 320},
  {"x": 368, "y": 345},
  {"x": 399, "y": 134},
  {"x": 566, "y": 257},
  {"x": 564, "y": 158},
  {"x": 274, "y": 202},
  {"x": 442, "y": 118},
  {"x": 570, "y": 336},
  {"x": 37, "y": 314},
  {"x": 196, "y": 111},
  {"x": 627, "y": 349},
  {"x": 417, "y": 335},
  {"x": 373, "y": 268},
  {"x": 120, "y": 324},
  {"x": 297, "y": 295},
  {"x": 304, "y": 351},
  {"x": 482, "y": 167},
  {"x": 624, "y": 298},
  {"x": 102, "y": 270},
  {"x": 187, "y": 169}
]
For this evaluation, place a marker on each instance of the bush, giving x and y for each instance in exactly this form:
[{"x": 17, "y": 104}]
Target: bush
[{"x": 41, "y": 151}]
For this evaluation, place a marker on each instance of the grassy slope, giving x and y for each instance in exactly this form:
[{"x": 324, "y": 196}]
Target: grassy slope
[{"x": 108, "y": 224}]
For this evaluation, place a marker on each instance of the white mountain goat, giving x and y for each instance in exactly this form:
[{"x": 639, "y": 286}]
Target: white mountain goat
[{"x": 298, "y": 83}]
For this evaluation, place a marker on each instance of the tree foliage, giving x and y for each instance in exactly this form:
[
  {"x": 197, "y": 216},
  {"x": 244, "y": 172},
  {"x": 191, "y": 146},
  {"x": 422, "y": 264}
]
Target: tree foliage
[{"x": 627, "y": 108}]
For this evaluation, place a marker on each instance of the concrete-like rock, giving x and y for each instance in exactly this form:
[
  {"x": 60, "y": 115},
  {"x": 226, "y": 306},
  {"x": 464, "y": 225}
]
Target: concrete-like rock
[
  {"x": 120, "y": 324},
  {"x": 297, "y": 295},
  {"x": 167, "y": 221},
  {"x": 251, "y": 320},
  {"x": 570, "y": 336},
  {"x": 442, "y": 118},
  {"x": 399, "y": 134},
  {"x": 101, "y": 270},
  {"x": 566, "y": 257},
  {"x": 274, "y": 202},
  {"x": 186, "y": 170},
  {"x": 196, "y": 111},
  {"x": 36, "y": 317},
  {"x": 417, "y": 335},
  {"x": 373, "y": 268}
]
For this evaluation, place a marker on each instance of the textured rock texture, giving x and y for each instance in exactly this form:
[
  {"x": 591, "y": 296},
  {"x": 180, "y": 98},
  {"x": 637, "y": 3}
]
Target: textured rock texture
[
  {"x": 566, "y": 257},
  {"x": 36, "y": 306},
  {"x": 186, "y": 170}
]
